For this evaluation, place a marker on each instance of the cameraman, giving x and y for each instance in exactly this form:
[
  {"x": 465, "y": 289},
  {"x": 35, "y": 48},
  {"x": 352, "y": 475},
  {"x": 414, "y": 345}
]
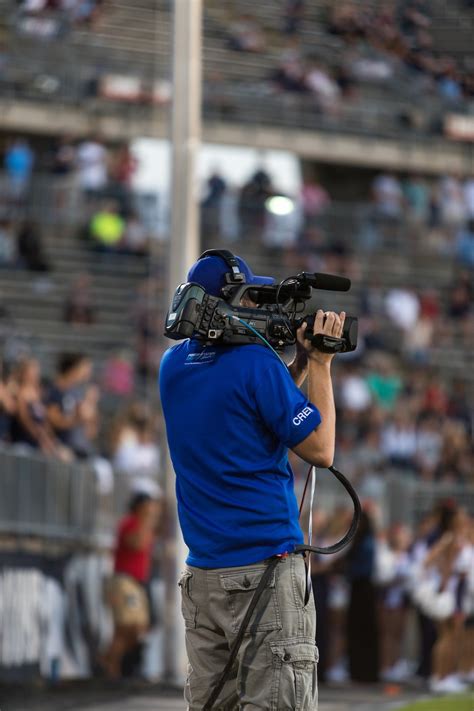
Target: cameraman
[{"x": 232, "y": 413}]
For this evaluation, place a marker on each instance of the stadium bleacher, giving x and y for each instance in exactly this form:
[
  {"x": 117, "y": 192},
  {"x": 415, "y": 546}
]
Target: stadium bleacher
[{"x": 134, "y": 41}]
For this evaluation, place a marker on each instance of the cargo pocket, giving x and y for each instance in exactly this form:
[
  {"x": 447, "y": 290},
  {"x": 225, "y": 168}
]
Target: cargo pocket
[
  {"x": 294, "y": 668},
  {"x": 188, "y": 608},
  {"x": 240, "y": 588}
]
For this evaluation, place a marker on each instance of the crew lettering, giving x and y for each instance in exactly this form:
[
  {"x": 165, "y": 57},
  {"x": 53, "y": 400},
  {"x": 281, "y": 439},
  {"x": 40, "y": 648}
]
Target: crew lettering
[{"x": 301, "y": 416}]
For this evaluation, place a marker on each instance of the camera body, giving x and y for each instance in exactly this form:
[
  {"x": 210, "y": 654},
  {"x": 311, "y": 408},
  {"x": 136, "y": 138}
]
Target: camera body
[{"x": 276, "y": 319}]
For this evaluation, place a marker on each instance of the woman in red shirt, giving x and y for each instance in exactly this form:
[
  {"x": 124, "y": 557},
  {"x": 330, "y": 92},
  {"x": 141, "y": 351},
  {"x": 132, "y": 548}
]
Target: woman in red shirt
[{"x": 127, "y": 594}]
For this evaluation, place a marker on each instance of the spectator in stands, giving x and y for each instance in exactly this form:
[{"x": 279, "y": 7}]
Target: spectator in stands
[
  {"x": 85, "y": 12},
  {"x": 460, "y": 301},
  {"x": 211, "y": 207},
  {"x": 414, "y": 16},
  {"x": 246, "y": 35},
  {"x": 253, "y": 197},
  {"x": 315, "y": 198},
  {"x": 7, "y": 404},
  {"x": 362, "y": 632},
  {"x": 29, "y": 425},
  {"x": 354, "y": 393},
  {"x": 331, "y": 592},
  {"x": 136, "y": 238},
  {"x": 384, "y": 382},
  {"x": 429, "y": 442},
  {"x": 447, "y": 566},
  {"x": 469, "y": 197},
  {"x": 433, "y": 397},
  {"x": 148, "y": 325},
  {"x": 399, "y": 439},
  {"x": 8, "y": 252},
  {"x": 216, "y": 188},
  {"x": 458, "y": 407},
  {"x": 64, "y": 157},
  {"x": 369, "y": 68},
  {"x": 452, "y": 202},
  {"x": 30, "y": 248},
  {"x": 394, "y": 575},
  {"x": 92, "y": 166},
  {"x": 107, "y": 228},
  {"x": 403, "y": 308},
  {"x": 289, "y": 74},
  {"x": 347, "y": 19},
  {"x": 418, "y": 340},
  {"x": 456, "y": 456},
  {"x": 388, "y": 195},
  {"x": 63, "y": 164},
  {"x": 322, "y": 86},
  {"x": 80, "y": 308},
  {"x": 293, "y": 16},
  {"x": 416, "y": 195},
  {"x": 430, "y": 530},
  {"x": 134, "y": 449},
  {"x": 119, "y": 376},
  {"x": 127, "y": 591},
  {"x": 465, "y": 245},
  {"x": 72, "y": 405},
  {"x": 18, "y": 163},
  {"x": 449, "y": 85},
  {"x": 123, "y": 167}
]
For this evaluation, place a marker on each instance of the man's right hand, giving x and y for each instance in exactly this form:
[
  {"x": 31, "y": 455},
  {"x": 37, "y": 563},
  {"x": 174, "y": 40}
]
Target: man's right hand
[{"x": 328, "y": 323}]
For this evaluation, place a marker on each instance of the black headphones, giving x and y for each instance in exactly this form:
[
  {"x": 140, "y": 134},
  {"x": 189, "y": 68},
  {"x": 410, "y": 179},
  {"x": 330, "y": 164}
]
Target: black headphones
[{"x": 235, "y": 276}]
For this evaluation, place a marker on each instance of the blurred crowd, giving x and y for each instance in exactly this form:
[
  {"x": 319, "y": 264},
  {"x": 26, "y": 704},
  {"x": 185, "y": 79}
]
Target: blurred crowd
[
  {"x": 381, "y": 41},
  {"x": 48, "y": 19},
  {"x": 396, "y": 408},
  {"x": 334, "y": 55},
  {"x": 391, "y": 581},
  {"x": 399, "y": 416},
  {"x": 100, "y": 176},
  {"x": 62, "y": 417},
  {"x": 400, "y": 32},
  {"x": 435, "y": 215}
]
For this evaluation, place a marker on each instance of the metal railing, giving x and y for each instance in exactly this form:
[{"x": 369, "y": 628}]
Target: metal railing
[
  {"x": 44, "y": 498},
  {"x": 51, "y": 500},
  {"x": 47, "y": 498}
]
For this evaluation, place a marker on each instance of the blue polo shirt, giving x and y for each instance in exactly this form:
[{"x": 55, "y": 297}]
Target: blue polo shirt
[{"x": 231, "y": 414}]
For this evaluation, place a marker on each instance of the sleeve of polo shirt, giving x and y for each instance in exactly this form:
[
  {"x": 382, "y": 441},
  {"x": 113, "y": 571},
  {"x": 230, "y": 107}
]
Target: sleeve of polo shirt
[{"x": 283, "y": 407}]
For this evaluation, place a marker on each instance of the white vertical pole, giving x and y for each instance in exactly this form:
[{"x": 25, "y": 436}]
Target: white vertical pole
[{"x": 184, "y": 250}]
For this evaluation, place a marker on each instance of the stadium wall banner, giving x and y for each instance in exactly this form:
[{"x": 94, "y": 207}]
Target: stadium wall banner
[
  {"x": 459, "y": 127},
  {"x": 52, "y": 615}
]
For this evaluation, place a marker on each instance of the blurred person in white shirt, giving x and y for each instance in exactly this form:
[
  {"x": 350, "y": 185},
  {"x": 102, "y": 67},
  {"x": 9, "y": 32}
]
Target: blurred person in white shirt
[
  {"x": 469, "y": 197},
  {"x": 393, "y": 575},
  {"x": 91, "y": 160},
  {"x": 388, "y": 195},
  {"x": 403, "y": 308},
  {"x": 399, "y": 439},
  {"x": 452, "y": 202},
  {"x": 134, "y": 450},
  {"x": 447, "y": 567}
]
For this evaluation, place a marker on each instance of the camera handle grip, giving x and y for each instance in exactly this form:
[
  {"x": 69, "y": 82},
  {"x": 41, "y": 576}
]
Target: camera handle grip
[{"x": 326, "y": 344}]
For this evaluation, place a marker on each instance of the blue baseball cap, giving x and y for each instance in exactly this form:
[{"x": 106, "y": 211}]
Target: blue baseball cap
[{"x": 210, "y": 273}]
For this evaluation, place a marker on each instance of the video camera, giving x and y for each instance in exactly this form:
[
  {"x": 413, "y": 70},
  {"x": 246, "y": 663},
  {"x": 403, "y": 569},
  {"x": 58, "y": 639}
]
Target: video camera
[{"x": 276, "y": 318}]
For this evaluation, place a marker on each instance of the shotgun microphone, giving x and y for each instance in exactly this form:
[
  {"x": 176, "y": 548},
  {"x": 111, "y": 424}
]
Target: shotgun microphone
[{"x": 328, "y": 282}]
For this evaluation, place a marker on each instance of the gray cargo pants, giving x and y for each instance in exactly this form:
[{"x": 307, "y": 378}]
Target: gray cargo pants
[{"x": 276, "y": 667}]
